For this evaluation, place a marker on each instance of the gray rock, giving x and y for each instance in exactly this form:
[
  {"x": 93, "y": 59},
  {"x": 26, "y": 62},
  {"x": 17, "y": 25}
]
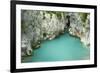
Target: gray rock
[{"x": 37, "y": 26}]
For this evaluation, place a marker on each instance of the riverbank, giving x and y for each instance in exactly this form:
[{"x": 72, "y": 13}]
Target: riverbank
[{"x": 63, "y": 48}]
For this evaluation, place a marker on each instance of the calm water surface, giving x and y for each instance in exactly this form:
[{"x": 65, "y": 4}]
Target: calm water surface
[{"x": 63, "y": 48}]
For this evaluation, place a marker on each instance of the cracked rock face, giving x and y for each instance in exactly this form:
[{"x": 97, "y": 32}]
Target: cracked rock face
[
  {"x": 37, "y": 26},
  {"x": 80, "y": 27}
]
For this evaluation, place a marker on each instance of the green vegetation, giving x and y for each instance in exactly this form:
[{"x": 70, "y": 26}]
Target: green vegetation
[
  {"x": 51, "y": 24},
  {"x": 83, "y": 16}
]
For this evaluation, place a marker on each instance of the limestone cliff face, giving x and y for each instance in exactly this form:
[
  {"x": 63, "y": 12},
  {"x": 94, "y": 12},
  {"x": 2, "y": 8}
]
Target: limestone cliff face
[
  {"x": 80, "y": 27},
  {"x": 37, "y": 26}
]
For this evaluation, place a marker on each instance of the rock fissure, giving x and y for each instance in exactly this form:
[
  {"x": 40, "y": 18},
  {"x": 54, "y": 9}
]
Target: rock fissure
[{"x": 37, "y": 26}]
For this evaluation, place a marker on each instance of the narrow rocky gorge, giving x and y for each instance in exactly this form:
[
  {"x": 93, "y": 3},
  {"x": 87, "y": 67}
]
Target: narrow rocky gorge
[{"x": 38, "y": 26}]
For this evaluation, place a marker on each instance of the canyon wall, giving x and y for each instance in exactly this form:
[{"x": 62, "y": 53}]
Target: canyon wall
[{"x": 38, "y": 26}]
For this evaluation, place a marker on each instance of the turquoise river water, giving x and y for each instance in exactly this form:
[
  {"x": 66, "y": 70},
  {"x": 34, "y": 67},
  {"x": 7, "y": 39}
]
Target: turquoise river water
[{"x": 63, "y": 48}]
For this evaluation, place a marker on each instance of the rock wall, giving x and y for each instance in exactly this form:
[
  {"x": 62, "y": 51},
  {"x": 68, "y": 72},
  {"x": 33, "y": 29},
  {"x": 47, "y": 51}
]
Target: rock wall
[
  {"x": 37, "y": 26},
  {"x": 80, "y": 27}
]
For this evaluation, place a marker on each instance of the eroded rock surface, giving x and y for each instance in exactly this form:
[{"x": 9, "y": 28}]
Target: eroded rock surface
[{"x": 37, "y": 26}]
